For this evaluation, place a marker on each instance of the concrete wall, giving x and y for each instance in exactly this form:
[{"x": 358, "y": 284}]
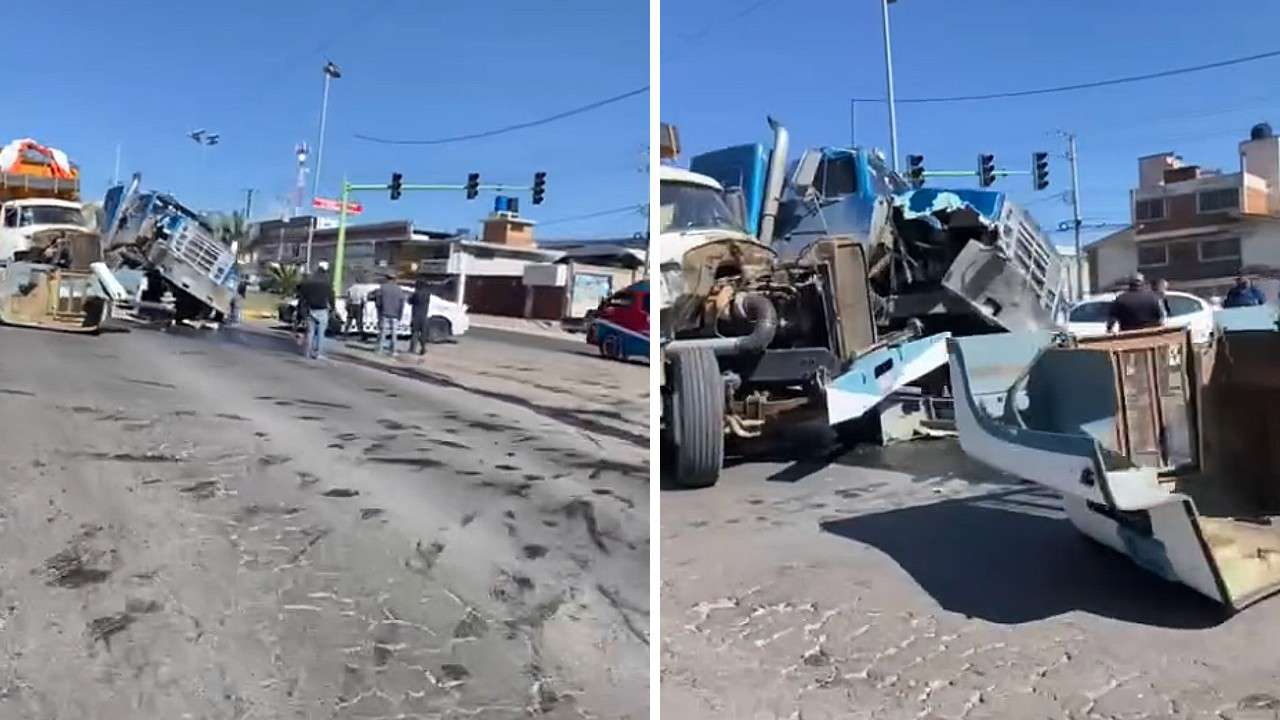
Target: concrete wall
[{"x": 1112, "y": 262}]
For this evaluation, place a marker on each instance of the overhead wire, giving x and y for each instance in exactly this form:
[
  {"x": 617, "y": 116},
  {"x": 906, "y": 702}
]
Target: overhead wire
[
  {"x": 509, "y": 128},
  {"x": 1082, "y": 86},
  {"x": 635, "y": 208}
]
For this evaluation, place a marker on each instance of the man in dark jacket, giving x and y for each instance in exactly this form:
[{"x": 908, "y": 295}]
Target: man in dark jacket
[
  {"x": 1243, "y": 294},
  {"x": 316, "y": 295},
  {"x": 391, "y": 298},
  {"x": 1136, "y": 308},
  {"x": 420, "y": 302}
]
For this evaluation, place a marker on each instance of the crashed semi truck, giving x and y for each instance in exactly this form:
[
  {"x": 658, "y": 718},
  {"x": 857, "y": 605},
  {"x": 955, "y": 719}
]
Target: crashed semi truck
[
  {"x": 829, "y": 283},
  {"x": 154, "y": 233},
  {"x": 1163, "y": 449},
  {"x": 749, "y": 336},
  {"x": 51, "y": 269}
]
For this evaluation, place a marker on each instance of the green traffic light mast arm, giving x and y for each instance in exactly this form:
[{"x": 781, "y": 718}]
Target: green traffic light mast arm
[
  {"x": 340, "y": 253},
  {"x": 972, "y": 173},
  {"x": 362, "y": 187}
]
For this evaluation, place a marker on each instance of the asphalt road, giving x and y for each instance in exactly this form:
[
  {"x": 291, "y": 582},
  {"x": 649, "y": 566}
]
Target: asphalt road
[
  {"x": 910, "y": 582},
  {"x": 204, "y": 525},
  {"x": 574, "y": 344}
]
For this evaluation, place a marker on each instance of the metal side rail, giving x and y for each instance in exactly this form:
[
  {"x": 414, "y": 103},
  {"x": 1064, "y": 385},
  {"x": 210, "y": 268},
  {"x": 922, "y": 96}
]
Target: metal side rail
[{"x": 878, "y": 374}]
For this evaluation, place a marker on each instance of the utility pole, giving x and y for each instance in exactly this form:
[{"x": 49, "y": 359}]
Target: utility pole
[
  {"x": 1075, "y": 212},
  {"x": 888, "y": 71},
  {"x": 248, "y": 202}
]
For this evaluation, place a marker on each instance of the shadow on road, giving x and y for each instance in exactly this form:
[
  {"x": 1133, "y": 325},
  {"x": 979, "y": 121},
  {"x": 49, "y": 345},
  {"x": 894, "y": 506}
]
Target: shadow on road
[{"x": 1013, "y": 563}]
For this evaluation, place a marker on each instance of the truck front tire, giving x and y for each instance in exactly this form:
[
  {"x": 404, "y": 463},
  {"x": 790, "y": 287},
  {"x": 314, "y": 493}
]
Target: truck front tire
[{"x": 697, "y": 404}]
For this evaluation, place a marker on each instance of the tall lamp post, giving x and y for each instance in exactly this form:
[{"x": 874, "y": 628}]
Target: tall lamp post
[
  {"x": 331, "y": 72},
  {"x": 888, "y": 71}
]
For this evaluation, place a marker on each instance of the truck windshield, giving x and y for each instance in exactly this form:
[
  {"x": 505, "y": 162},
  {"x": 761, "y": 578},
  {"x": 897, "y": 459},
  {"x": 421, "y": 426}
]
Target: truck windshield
[
  {"x": 686, "y": 206},
  {"x": 49, "y": 215}
]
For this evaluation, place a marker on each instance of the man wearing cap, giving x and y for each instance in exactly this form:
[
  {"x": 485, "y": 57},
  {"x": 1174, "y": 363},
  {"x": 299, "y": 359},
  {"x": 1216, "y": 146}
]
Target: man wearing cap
[
  {"x": 316, "y": 295},
  {"x": 1136, "y": 308}
]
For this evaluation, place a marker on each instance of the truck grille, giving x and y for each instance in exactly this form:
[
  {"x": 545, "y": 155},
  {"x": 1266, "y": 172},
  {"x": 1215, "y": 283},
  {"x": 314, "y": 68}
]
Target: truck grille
[{"x": 202, "y": 252}]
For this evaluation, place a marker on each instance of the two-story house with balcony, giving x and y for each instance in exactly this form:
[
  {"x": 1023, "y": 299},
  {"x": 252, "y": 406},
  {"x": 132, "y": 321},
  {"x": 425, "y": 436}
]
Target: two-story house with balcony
[{"x": 1199, "y": 229}]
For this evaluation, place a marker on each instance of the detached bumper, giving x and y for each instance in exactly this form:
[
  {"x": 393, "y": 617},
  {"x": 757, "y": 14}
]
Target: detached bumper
[{"x": 878, "y": 374}]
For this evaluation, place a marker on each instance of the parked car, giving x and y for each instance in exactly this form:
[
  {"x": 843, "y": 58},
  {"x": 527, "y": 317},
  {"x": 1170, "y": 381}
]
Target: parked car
[
  {"x": 446, "y": 318},
  {"x": 1088, "y": 317},
  {"x": 620, "y": 326}
]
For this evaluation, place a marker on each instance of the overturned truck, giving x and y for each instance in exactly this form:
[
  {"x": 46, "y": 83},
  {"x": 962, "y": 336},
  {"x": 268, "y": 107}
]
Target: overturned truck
[
  {"x": 1165, "y": 450},
  {"x": 154, "y": 233}
]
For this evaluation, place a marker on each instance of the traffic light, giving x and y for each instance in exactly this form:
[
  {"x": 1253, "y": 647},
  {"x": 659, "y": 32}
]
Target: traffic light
[
  {"x": 915, "y": 170},
  {"x": 539, "y": 187},
  {"x": 397, "y": 183},
  {"x": 1040, "y": 170},
  {"x": 986, "y": 170},
  {"x": 473, "y": 185}
]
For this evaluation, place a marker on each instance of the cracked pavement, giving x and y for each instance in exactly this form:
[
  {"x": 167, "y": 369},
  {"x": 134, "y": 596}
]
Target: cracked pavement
[
  {"x": 911, "y": 582},
  {"x": 202, "y": 525}
]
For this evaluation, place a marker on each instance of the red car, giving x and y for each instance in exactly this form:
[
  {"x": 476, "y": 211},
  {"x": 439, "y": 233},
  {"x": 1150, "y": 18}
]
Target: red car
[{"x": 620, "y": 328}]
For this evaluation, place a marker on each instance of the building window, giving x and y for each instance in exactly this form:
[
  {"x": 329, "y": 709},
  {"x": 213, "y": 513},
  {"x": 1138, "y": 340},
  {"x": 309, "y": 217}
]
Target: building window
[
  {"x": 1224, "y": 249},
  {"x": 1148, "y": 210},
  {"x": 1218, "y": 200},
  {"x": 1153, "y": 255}
]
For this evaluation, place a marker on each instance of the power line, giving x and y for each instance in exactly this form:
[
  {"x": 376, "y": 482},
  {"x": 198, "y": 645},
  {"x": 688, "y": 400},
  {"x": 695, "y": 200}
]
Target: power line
[
  {"x": 588, "y": 216},
  {"x": 1083, "y": 86},
  {"x": 510, "y": 128}
]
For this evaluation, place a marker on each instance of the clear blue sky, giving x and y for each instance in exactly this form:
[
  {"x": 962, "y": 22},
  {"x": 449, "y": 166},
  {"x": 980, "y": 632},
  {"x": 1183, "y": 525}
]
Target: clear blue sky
[
  {"x": 143, "y": 73},
  {"x": 728, "y": 63}
]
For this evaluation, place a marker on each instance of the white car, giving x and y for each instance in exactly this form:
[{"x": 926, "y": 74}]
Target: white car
[
  {"x": 446, "y": 318},
  {"x": 1089, "y": 316}
]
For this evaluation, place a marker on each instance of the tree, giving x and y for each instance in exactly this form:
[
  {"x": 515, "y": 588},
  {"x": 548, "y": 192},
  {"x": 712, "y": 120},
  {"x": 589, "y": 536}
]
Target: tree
[
  {"x": 282, "y": 279},
  {"x": 230, "y": 230}
]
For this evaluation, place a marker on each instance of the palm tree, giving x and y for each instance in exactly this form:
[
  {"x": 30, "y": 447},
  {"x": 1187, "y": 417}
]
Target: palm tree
[
  {"x": 230, "y": 230},
  {"x": 284, "y": 278}
]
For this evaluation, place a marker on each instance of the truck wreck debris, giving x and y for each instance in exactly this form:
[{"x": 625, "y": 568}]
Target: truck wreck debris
[{"x": 1162, "y": 449}]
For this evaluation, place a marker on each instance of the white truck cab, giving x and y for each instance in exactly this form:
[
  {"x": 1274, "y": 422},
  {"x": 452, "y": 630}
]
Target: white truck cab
[{"x": 21, "y": 220}]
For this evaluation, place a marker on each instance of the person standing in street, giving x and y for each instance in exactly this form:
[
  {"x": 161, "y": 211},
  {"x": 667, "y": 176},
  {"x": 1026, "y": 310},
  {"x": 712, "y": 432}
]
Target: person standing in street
[
  {"x": 355, "y": 311},
  {"x": 420, "y": 303},
  {"x": 391, "y": 299},
  {"x": 1137, "y": 308},
  {"x": 1243, "y": 294},
  {"x": 237, "y": 302},
  {"x": 1162, "y": 292},
  {"x": 316, "y": 295}
]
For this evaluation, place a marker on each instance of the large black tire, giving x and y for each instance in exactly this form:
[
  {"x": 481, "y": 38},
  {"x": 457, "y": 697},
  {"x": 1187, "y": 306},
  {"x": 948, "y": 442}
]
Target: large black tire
[{"x": 697, "y": 404}]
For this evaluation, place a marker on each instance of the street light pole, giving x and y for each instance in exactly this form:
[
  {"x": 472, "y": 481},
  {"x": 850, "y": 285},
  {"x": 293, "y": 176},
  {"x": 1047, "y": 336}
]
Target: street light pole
[
  {"x": 331, "y": 72},
  {"x": 888, "y": 70}
]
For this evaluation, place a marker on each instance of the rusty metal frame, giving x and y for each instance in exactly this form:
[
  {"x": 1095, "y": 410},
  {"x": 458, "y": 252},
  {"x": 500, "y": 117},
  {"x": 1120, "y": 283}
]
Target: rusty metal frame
[{"x": 1147, "y": 342}]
